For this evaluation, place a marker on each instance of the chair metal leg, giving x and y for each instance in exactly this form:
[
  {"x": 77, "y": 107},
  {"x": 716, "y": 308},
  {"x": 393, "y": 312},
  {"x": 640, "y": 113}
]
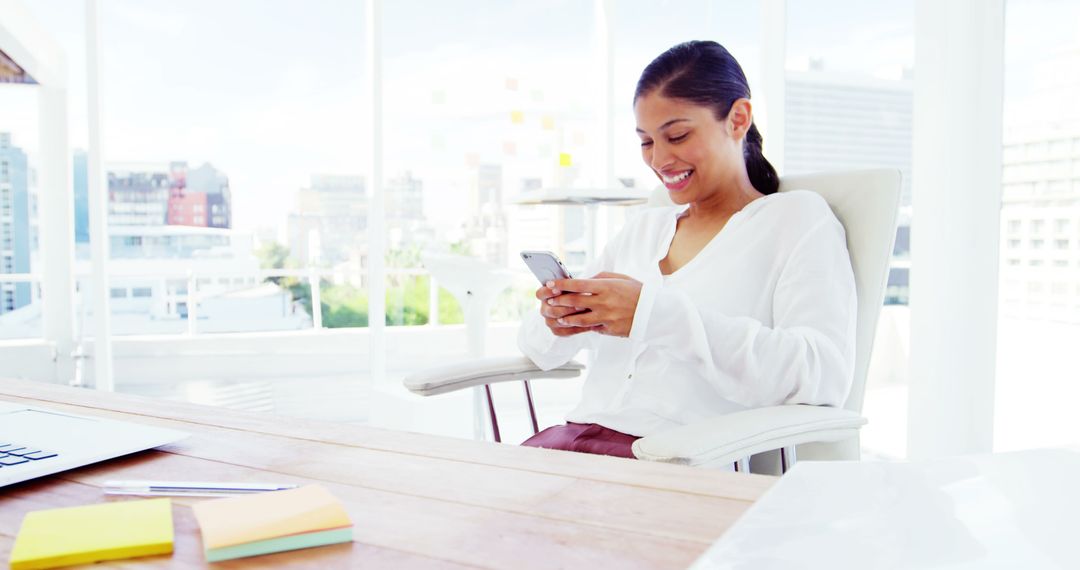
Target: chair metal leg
[
  {"x": 787, "y": 458},
  {"x": 532, "y": 410},
  {"x": 743, "y": 465},
  {"x": 491, "y": 411}
]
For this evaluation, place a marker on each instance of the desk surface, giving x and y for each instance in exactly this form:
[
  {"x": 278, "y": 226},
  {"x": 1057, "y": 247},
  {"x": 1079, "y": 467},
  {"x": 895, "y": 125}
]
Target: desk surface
[{"x": 416, "y": 500}]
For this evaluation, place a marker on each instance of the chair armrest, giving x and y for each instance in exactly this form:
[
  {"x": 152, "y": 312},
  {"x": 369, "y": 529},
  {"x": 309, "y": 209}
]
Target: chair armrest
[
  {"x": 728, "y": 438},
  {"x": 477, "y": 372}
]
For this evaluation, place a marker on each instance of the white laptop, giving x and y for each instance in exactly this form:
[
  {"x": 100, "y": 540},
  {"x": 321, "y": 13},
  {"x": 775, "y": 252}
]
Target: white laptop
[{"x": 35, "y": 442}]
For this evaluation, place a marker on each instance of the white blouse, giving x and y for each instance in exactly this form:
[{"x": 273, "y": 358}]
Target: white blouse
[{"x": 763, "y": 315}]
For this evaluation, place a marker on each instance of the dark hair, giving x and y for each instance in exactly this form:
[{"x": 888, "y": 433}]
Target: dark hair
[{"x": 706, "y": 74}]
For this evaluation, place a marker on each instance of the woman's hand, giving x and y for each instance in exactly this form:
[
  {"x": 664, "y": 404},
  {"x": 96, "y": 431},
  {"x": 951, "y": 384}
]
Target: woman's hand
[
  {"x": 611, "y": 300},
  {"x": 553, "y": 313}
]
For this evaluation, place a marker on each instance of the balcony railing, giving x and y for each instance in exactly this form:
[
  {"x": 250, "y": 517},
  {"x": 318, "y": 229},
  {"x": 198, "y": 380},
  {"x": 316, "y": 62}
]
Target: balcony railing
[{"x": 194, "y": 290}]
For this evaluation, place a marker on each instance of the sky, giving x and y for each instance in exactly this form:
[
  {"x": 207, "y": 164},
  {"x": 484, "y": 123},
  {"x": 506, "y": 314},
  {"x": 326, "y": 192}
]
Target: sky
[{"x": 273, "y": 91}]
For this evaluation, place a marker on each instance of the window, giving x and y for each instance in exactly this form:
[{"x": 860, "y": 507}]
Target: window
[
  {"x": 1032, "y": 368},
  {"x": 1014, "y": 243},
  {"x": 118, "y": 293},
  {"x": 1014, "y": 226},
  {"x": 141, "y": 292}
]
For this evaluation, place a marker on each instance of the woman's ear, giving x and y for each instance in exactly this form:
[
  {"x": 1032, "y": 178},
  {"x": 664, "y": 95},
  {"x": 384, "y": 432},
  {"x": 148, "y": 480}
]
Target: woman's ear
[{"x": 739, "y": 118}]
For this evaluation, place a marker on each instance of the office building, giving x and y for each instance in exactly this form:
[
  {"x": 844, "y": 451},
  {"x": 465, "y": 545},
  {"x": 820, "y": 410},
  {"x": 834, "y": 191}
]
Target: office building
[
  {"x": 1040, "y": 216},
  {"x": 405, "y": 223},
  {"x": 138, "y": 194},
  {"x": 1040, "y": 213},
  {"x": 146, "y": 194},
  {"x": 328, "y": 221},
  {"x": 208, "y": 187},
  {"x": 15, "y": 225},
  {"x": 837, "y": 122},
  {"x": 486, "y": 228},
  {"x": 81, "y": 190}
]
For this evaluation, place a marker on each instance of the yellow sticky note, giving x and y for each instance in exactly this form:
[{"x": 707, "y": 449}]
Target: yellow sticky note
[
  {"x": 548, "y": 122},
  {"x": 91, "y": 533},
  {"x": 517, "y": 117},
  {"x": 511, "y": 84},
  {"x": 564, "y": 159}
]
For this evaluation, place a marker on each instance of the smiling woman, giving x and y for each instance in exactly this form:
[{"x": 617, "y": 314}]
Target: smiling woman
[{"x": 672, "y": 345}]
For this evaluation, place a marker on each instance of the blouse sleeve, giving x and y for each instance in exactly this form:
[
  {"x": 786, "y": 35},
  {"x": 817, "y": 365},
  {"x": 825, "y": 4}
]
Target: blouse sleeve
[{"x": 806, "y": 357}]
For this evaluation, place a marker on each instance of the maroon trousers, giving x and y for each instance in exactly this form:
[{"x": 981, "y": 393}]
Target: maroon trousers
[{"x": 584, "y": 438}]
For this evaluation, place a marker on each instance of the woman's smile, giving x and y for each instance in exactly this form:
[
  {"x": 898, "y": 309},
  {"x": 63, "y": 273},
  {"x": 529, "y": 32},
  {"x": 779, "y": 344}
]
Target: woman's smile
[{"x": 675, "y": 181}]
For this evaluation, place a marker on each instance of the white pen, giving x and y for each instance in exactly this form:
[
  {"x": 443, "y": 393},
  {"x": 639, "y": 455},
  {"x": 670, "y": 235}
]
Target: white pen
[{"x": 190, "y": 488}]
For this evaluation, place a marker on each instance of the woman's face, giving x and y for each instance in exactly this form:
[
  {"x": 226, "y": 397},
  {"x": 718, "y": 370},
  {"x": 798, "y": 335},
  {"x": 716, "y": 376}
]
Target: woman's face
[{"x": 692, "y": 152}]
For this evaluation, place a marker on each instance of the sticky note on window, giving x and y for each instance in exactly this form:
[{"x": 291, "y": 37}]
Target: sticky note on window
[
  {"x": 537, "y": 95},
  {"x": 511, "y": 84},
  {"x": 438, "y": 97},
  {"x": 517, "y": 117},
  {"x": 509, "y": 148},
  {"x": 565, "y": 160},
  {"x": 548, "y": 122}
]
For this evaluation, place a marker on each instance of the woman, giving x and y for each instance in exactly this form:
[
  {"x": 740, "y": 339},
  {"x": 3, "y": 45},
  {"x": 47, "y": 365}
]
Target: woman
[{"x": 736, "y": 297}]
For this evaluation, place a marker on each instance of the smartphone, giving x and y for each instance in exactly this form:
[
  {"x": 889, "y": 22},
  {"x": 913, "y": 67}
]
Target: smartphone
[{"x": 545, "y": 265}]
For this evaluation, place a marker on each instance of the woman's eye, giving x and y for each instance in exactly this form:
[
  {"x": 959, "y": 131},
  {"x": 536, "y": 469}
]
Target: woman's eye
[
  {"x": 679, "y": 138},
  {"x": 646, "y": 144}
]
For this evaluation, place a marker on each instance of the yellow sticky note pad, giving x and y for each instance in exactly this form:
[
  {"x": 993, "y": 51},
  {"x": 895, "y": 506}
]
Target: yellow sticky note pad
[
  {"x": 517, "y": 117},
  {"x": 565, "y": 160},
  {"x": 91, "y": 533},
  {"x": 548, "y": 123}
]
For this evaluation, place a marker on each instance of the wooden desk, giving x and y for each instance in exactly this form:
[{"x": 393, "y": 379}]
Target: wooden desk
[{"x": 416, "y": 500}]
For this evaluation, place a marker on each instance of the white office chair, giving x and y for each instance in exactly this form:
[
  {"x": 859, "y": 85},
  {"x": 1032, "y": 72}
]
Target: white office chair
[{"x": 866, "y": 203}]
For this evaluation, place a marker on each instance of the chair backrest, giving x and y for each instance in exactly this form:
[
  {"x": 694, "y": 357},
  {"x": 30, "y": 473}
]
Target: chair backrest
[{"x": 867, "y": 203}]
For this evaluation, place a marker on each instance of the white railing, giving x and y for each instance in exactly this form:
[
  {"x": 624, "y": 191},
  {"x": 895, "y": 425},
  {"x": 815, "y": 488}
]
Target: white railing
[{"x": 312, "y": 275}]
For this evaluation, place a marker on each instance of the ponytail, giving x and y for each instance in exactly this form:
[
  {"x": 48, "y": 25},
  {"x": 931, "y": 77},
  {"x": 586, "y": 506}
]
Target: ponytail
[{"x": 762, "y": 174}]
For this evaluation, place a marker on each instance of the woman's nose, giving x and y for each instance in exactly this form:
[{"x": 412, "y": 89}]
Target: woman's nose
[{"x": 660, "y": 158}]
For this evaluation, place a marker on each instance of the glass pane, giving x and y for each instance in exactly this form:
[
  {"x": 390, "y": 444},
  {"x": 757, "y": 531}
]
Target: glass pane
[
  {"x": 848, "y": 106},
  {"x": 1039, "y": 289},
  {"x": 21, "y": 201},
  {"x": 230, "y": 154},
  {"x": 503, "y": 101}
]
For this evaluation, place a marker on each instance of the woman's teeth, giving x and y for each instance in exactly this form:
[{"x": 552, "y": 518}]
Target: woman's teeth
[{"x": 674, "y": 179}]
